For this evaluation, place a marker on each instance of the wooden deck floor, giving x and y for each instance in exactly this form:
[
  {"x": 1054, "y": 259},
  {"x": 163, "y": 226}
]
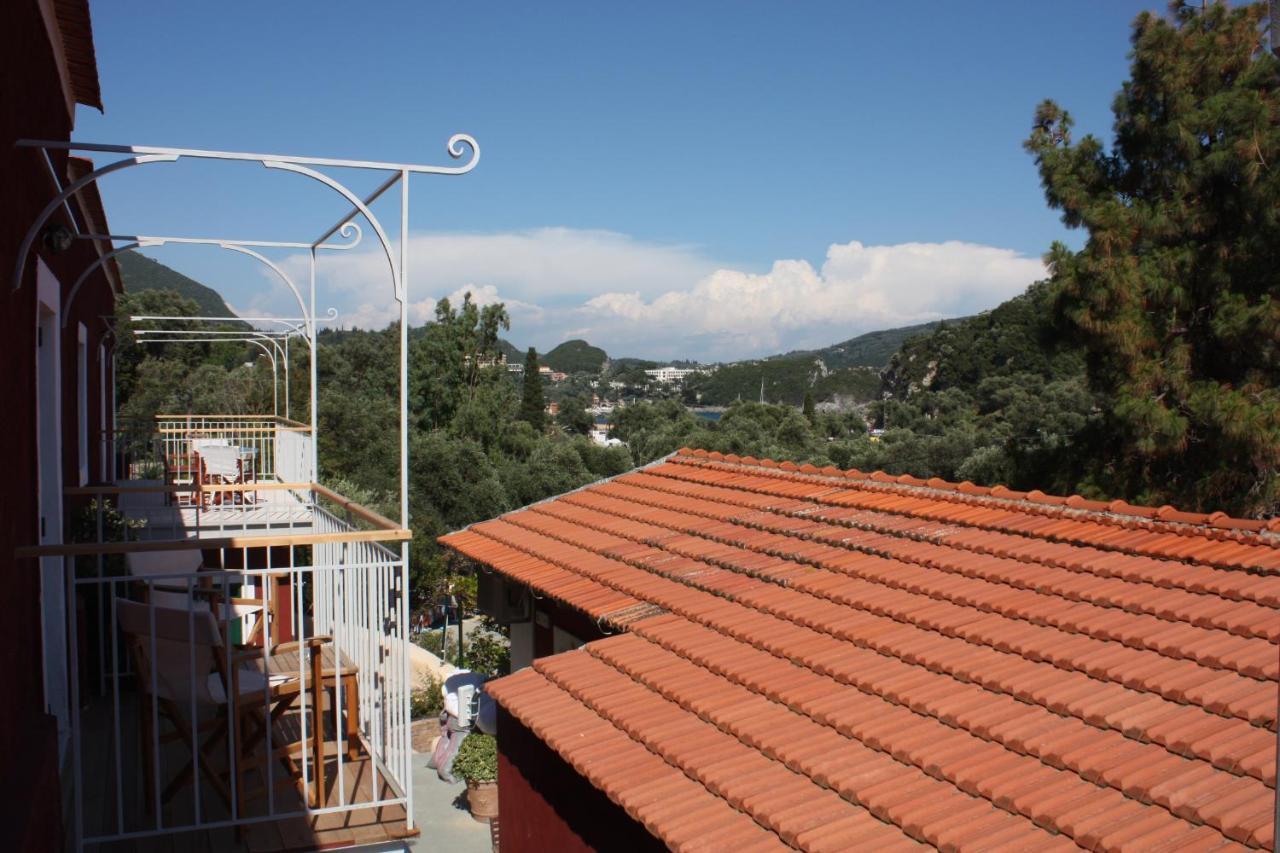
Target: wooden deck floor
[{"x": 108, "y": 807}]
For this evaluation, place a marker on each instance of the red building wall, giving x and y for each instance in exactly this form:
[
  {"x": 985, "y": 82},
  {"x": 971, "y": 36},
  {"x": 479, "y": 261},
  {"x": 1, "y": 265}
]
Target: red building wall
[
  {"x": 543, "y": 804},
  {"x": 33, "y": 106}
]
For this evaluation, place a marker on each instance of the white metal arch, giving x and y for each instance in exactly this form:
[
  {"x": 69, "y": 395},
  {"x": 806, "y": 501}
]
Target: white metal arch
[
  {"x": 61, "y": 198},
  {"x": 89, "y": 270},
  {"x": 150, "y": 241},
  {"x": 358, "y": 205},
  {"x": 277, "y": 351}
]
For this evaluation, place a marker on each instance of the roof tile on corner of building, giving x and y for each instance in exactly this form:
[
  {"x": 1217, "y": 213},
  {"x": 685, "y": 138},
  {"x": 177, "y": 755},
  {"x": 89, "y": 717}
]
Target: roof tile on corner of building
[
  {"x": 444, "y": 537},
  {"x": 75, "y": 27}
]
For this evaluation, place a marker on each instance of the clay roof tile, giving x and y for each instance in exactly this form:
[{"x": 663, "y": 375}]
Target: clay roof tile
[{"x": 951, "y": 659}]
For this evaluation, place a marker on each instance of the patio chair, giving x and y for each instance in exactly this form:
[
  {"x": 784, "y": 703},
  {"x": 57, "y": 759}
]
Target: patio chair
[
  {"x": 182, "y": 464},
  {"x": 219, "y": 464},
  {"x": 186, "y": 671},
  {"x": 173, "y": 592}
]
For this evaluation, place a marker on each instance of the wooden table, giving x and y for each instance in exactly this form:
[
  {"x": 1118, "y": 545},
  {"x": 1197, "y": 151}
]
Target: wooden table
[{"x": 287, "y": 663}]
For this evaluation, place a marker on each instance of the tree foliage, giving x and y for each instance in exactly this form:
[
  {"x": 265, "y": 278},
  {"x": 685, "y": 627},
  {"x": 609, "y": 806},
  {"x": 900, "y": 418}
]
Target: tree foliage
[
  {"x": 533, "y": 401},
  {"x": 1175, "y": 293},
  {"x": 573, "y": 416},
  {"x": 154, "y": 378}
]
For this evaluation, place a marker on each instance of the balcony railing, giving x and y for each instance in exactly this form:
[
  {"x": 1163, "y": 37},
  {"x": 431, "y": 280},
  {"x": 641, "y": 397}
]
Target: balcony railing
[
  {"x": 274, "y": 448},
  {"x": 236, "y": 651}
]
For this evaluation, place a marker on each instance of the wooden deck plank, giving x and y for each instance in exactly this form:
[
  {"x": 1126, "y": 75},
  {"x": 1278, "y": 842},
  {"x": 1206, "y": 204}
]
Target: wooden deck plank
[{"x": 317, "y": 832}]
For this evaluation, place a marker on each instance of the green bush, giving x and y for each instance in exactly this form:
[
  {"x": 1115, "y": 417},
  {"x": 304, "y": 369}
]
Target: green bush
[
  {"x": 427, "y": 701},
  {"x": 488, "y": 652},
  {"x": 477, "y": 759}
]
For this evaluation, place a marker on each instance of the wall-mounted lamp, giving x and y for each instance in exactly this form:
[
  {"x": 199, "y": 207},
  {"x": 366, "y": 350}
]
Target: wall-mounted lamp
[{"x": 57, "y": 238}]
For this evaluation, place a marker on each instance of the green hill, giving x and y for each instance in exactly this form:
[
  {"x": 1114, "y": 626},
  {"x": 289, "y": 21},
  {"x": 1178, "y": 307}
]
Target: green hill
[
  {"x": 575, "y": 357},
  {"x": 142, "y": 273},
  {"x": 785, "y": 380},
  {"x": 514, "y": 354},
  {"x": 874, "y": 349}
]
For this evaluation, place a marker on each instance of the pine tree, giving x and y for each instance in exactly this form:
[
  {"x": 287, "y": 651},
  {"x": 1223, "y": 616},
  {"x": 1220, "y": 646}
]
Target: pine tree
[
  {"x": 533, "y": 405},
  {"x": 808, "y": 408},
  {"x": 1176, "y": 294}
]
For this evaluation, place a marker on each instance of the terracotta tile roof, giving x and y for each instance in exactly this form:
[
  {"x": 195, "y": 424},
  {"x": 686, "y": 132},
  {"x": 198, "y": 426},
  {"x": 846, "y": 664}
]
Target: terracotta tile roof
[
  {"x": 76, "y": 31},
  {"x": 826, "y": 659}
]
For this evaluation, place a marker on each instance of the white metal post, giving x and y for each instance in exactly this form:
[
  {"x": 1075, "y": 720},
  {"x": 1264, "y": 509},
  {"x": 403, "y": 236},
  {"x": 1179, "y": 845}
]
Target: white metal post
[
  {"x": 311, "y": 344},
  {"x": 407, "y": 781}
]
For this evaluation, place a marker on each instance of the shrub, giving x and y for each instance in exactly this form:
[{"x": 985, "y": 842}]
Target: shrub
[
  {"x": 487, "y": 652},
  {"x": 477, "y": 759},
  {"x": 426, "y": 701}
]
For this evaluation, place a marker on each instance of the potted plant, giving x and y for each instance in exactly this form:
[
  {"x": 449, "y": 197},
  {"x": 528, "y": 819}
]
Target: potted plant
[{"x": 477, "y": 762}]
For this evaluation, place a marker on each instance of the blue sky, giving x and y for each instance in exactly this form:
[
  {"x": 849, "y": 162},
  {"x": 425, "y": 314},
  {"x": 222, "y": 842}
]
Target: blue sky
[{"x": 714, "y": 180}]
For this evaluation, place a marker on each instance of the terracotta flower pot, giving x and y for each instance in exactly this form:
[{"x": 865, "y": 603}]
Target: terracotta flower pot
[{"x": 482, "y": 797}]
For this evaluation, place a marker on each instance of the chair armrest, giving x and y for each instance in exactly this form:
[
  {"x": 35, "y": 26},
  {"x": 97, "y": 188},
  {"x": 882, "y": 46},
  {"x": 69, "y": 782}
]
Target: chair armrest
[
  {"x": 214, "y": 595},
  {"x": 310, "y": 643},
  {"x": 251, "y": 653},
  {"x": 194, "y": 591}
]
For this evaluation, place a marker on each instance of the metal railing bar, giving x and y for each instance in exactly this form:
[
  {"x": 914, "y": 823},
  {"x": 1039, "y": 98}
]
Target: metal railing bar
[
  {"x": 268, "y": 597},
  {"x": 115, "y": 707},
  {"x": 77, "y": 757},
  {"x": 155, "y": 717},
  {"x": 195, "y": 714},
  {"x": 234, "y": 542}
]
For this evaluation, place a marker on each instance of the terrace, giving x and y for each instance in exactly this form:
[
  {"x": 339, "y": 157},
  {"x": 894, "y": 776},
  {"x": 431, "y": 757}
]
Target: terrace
[{"x": 232, "y": 633}]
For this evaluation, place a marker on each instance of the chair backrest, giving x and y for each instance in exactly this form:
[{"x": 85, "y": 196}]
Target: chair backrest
[
  {"x": 221, "y": 461},
  {"x": 176, "y": 649},
  {"x": 145, "y": 563}
]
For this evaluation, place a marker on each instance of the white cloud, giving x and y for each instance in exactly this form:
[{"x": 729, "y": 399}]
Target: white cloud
[
  {"x": 663, "y": 301},
  {"x": 528, "y": 265},
  {"x": 859, "y": 288}
]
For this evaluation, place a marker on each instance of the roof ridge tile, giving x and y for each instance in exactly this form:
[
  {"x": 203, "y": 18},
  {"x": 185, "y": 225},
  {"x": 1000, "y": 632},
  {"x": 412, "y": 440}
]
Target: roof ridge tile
[{"x": 1177, "y": 520}]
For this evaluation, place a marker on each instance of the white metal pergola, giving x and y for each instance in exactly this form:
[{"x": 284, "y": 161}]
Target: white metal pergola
[
  {"x": 397, "y": 257},
  {"x": 274, "y": 341},
  {"x": 274, "y": 344}
]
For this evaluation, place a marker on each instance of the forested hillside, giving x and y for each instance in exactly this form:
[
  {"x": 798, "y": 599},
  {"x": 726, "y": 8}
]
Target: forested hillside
[
  {"x": 225, "y": 377},
  {"x": 142, "y": 273},
  {"x": 782, "y": 380},
  {"x": 995, "y": 398},
  {"x": 873, "y": 349},
  {"x": 1016, "y": 337}
]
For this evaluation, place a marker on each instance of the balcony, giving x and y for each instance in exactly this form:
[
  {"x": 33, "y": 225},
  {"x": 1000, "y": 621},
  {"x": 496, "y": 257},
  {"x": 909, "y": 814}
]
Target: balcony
[
  {"x": 205, "y": 475},
  {"x": 236, "y": 654}
]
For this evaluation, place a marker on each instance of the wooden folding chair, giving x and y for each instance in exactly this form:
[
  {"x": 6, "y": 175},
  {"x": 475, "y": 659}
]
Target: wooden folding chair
[
  {"x": 173, "y": 592},
  {"x": 181, "y": 680},
  {"x": 187, "y": 675}
]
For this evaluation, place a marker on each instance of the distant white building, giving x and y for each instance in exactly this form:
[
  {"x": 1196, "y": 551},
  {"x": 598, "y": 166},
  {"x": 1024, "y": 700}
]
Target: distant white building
[
  {"x": 600, "y": 435},
  {"x": 672, "y": 374}
]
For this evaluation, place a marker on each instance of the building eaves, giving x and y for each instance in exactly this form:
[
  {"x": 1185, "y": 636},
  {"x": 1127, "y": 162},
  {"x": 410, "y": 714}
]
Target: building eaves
[{"x": 76, "y": 30}]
